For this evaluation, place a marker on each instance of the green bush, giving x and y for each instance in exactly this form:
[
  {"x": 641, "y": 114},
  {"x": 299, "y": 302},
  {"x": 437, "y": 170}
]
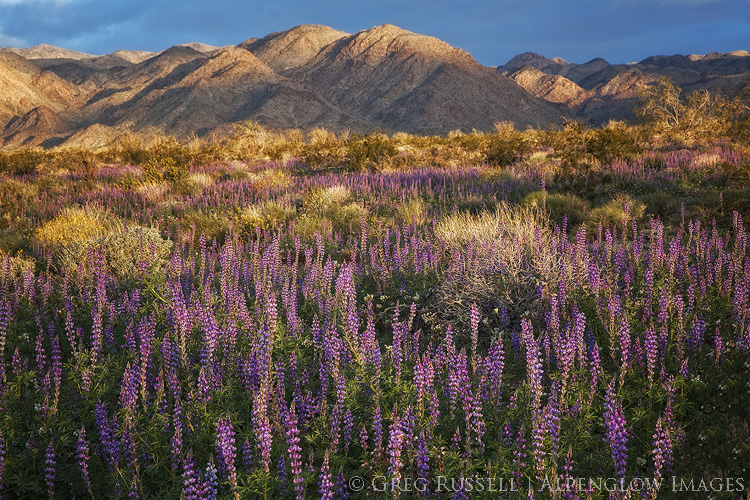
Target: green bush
[
  {"x": 165, "y": 168},
  {"x": 559, "y": 206},
  {"x": 661, "y": 204},
  {"x": 617, "y": 212},
  {"x": 369, "y": 152},
  {"x": 507, "y": 145}
]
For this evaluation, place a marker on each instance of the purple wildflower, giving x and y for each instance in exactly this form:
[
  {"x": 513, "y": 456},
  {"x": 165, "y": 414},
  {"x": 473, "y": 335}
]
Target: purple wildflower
[
  {"x": 325, "y": 487},
  {"x": 616, "y": 432},
  {"x": 50, "y": 464}
]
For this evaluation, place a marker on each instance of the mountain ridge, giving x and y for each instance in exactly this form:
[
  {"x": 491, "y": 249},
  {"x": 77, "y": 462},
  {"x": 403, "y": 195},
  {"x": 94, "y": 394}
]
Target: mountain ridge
[{"x": 308, "y": 76}]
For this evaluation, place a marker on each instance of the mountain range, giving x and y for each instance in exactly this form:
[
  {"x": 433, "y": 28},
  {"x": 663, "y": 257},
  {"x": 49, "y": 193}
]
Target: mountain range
[{"x": 383, "y": 78}]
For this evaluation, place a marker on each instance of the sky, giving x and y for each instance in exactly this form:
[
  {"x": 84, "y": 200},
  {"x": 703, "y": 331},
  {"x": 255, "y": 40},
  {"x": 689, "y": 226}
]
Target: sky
[{"x": 492, "y": 31}]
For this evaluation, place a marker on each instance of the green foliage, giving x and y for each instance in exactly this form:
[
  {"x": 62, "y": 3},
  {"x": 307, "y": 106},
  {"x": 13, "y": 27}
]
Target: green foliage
[
  {"x": 614, "y": 141},
  {"x": 507, "y": 145},
  {"x": 694, "y": 118},
  {"x": 558, "y": 206},
  {"x": 661, "y": 204},
  {"x": 617, "y": 213},
  {"x": 22, "y": 162},
  {"x": 369, "y": 152},
  {"x": 164, "y": 168}
]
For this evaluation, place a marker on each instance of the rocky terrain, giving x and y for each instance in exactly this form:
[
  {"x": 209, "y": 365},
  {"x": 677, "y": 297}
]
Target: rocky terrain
[
  {"x": 599, "y": 91},
  {"x": 383, "y": 78}
]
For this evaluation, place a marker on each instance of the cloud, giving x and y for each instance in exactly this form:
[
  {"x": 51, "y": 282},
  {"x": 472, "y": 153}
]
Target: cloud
[{"x": 10, "y": 41}]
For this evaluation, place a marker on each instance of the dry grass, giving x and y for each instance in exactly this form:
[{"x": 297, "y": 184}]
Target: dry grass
[
  {"x": 76, "y": 234},
  {"x": 154, "y": 191},
  {"x": 498, "y": 259},
  {"x": 618, "y": 212}
]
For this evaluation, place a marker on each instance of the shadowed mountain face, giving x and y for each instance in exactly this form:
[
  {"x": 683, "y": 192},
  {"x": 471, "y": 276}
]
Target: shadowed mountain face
[
  {"x": 310, "y": 76},
  {"x": 599, "y": 91}
]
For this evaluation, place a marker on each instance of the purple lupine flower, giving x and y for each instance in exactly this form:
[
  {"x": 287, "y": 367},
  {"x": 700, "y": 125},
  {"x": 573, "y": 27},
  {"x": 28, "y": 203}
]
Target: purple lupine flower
[
  {"x": 57, "y": 369},
  {"x": 474, "y": 320},
  {"x": 495, "y": 363},
  {"x": 19, "y": 364},
  {"x": 342, "y": 488},
  {"x": 616, "y": 435},
  {"x": 281, "y": 475},
  {"x": 226, "y": 451},
  {"x": 82, "y": 455},
  {"x": 325, "y": 486},
  {"x": 247, "y": 455},
  {"x": 533, "y": 363},
  {"x": 594, "y": 363},
  {"x": 50, "y": 464},
  {"x": 107, "y": 435},
  {"x": 569, "y": 485},
  {"x": 718, "y": 346},
  {"x": 211, "y": 485},
  {"x": 652, "y": 353},
  {"x": 395, "y": 443},
  {"x": 662, "y": 447},
  {"x": 262, "y": 426},
  {"x": 192, "y": 486},
  {"x": 377, "y": 426},
  {"x": 177, "y": 436},
  {"x": 363, "y": 437},
  {"x": 2, "y": 461},
  {"x": 129, "y": 388},
  {"x": 348, "y": 427},
  {"x": 519, "y": 452},
  {"x": 423, "y": 463},
  {"x": 295, "y": 452}
]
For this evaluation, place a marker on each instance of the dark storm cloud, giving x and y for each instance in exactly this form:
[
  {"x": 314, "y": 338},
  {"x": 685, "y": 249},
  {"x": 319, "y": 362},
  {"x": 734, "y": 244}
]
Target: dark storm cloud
[{"x": 491, "y": 30}]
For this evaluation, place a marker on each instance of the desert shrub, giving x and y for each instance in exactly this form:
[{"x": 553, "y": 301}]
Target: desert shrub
[
  {"x": 661, "y": 204},
  {"x": 335, "y": 205},
  {"x": 128, "y": 148},
  {"x": 613, "y": 141},
  {"x": 213, "y": 225},
  {"x": 77, "y": 234},
  {"x": 559, "y": 206},
  {"x": 192, "y": 184},
  {"x": 16, "y": 199},
  {"x": 153, "y": 191},
  {"x": 616, "y": 213},
  {"x": 324, "y": 150},
  {"x": 270, "y": 179},
  {"x": 12, "y": 241},
  {"x": 414, "y": 211},
  {"x": 498, "y": 259},
  {"x": 75, "y": 226},
  {"x": 265, "y": 216},
  {"x": 22, "y": 162},
  {"x": 14, "y": 267},
  {"x": 369, "y": 152},
  {"x": 252, "y": 141},
  {"x": 77, "y": 161},
  {"x": 165, "y": 168},
  {"x": 570, "y": 144},
  {"x": 507, "y": 145}
]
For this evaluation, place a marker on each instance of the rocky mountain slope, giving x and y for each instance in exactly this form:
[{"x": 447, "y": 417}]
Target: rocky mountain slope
[
  {"x": 383, "y": 78},
  {"x": 599, "y": 91}
]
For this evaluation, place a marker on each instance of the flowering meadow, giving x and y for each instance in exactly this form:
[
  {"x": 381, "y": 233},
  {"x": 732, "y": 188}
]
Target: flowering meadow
[{"x": 265, "y": 330}]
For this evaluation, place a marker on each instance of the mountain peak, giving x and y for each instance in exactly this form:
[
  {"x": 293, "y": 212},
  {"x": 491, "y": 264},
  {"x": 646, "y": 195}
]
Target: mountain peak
[
  {"x": 380, "y": 42},
  {"x": 46, "y": 51},
  {"x": 534, "y": 60},
  {"x": 292, "y": 48}
]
